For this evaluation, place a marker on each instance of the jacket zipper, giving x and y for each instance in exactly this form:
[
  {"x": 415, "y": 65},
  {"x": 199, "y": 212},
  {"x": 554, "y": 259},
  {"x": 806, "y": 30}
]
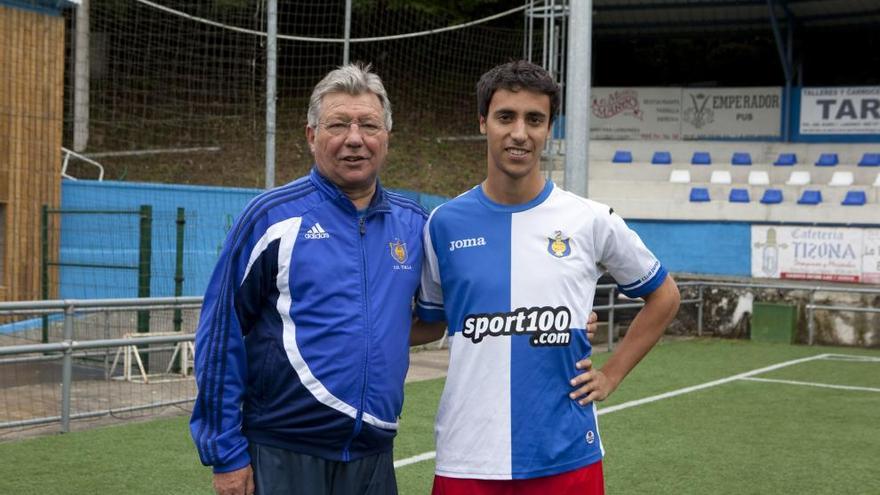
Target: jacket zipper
[{"x": 362, "y": 229}]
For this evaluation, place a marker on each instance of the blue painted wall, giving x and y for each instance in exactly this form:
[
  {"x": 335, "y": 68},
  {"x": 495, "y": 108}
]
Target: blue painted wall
[
  {"x": 113, "y": 239},
  {"x": 720, "y": 248},
  {"x": 716, "y": 248}
]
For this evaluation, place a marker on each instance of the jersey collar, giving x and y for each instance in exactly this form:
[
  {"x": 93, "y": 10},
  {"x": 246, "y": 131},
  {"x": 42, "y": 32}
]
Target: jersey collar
[{"x": 492, "y": 205}]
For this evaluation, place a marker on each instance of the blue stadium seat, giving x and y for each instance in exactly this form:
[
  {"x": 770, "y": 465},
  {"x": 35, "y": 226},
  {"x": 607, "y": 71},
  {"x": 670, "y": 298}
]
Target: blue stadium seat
[
  {"x": 622, "y": 156},
  {"x": 741, "y": 159},
  {"x": 699, "y": 194},
  {"x": 739, "y": 195},
  {"x": 785, "y": 160},
  {"x": 661, "y": 158},
  {"x": 827, "y": 160},
  {"x": 701, "y": 158},
  {"x": 810, "y": 197},
  {"x": 870, "y": 160},
  {"x": 854, "y": 198},
  {"x": 772, "y": 197}
]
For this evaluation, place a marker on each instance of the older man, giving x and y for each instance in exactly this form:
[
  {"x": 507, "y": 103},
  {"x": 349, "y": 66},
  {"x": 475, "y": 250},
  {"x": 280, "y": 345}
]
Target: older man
[
  {"x": 303, "y": 340},
  {"x": 302, "y": 345}
]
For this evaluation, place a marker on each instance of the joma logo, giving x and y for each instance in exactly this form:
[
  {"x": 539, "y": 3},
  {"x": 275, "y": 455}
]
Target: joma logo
[{"x": 467, "y": 243}]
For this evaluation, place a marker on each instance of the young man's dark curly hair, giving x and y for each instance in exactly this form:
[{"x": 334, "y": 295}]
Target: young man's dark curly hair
[{"x": 516, "y": 76}]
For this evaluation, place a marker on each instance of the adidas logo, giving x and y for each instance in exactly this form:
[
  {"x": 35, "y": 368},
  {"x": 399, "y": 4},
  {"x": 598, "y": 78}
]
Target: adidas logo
[{"x": 317, "y": 232}]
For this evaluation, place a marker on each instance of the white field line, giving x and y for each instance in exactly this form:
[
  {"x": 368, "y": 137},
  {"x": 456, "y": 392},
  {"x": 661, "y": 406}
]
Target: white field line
[
  {"x": 852, "y": 358},
  {"x": 714, "y": 383},
  {"x": 810, "y": 384},
  {"x": 414, "y": 459},
  {"x": 654, "y": 398}
]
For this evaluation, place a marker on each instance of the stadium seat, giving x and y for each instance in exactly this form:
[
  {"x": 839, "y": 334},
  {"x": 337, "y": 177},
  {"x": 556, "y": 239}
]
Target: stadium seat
[
  {"x": 679, "y": 176},
  {"x": 739, "y": 158},
  {"x": 772, "y": 197},
  {"x": 870, "y": 160},
  {"x": 810, "y": 197},
  {"x": 720, "y": 177},
  {"x": 701, "y": 158},
  {"x": 827, "y": 160},
  {"x": 661, "y": 158},
  {"x": 877, "y": 181},
  {"x": 622, "y": 156},
  {"x": 854, "y": 198},
  {"x": 759, "y": 178},
  {"x": 699, "y": 195},
  {"x": 841, "y": 179},
  {"x": 785, "y": 160},
  {"x": 739, "y": 195},
  {"x": 798, "y": 178}
]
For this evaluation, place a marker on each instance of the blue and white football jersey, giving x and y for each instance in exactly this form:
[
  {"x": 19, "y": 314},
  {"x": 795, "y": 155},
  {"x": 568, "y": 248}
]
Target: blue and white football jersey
[{"x": 516, "y": 285}]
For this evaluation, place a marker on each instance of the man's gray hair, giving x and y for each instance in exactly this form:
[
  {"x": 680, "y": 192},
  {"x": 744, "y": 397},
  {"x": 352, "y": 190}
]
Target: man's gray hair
[{"x": 353, "y": 79}]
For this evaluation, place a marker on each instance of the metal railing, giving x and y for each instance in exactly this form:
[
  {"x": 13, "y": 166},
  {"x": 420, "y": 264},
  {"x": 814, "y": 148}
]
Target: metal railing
[
  {"x": 701, "y": 285},
  {"x": 811, "y": 306},
  {"x": 612, "y": 290},
  {"x": 68, "y": 153},
  {"x": 69, "y": 347}
]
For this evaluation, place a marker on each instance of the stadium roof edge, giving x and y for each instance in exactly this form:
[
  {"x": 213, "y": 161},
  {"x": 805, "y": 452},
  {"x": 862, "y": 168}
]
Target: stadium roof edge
[
  {"x": 616, "y": 17},
  {"x": 50, "y": 7}
]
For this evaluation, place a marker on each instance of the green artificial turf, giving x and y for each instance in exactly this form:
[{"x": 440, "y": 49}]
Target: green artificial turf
[{"x": 741, "y": 437}]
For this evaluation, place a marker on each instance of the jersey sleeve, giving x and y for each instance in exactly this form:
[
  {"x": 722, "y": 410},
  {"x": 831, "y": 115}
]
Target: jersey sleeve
[
  {"x": 231, "y": 301},
  {"x": 429, "y": 304},
  {"x": 626, "y": 258}
]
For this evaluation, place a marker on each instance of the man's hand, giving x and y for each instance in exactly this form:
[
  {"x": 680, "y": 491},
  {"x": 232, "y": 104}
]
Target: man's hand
[
  {"x": 240, "y": 482},
  {"x": 587, "y": 364},
  {"x": 592, "y": 325},
  {"x": 591, "y": 384},
  {"x": 423, "y": 332}
]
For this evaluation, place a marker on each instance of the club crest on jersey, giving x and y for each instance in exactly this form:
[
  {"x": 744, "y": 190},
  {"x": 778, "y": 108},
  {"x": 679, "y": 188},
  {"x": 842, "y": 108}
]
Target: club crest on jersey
[
  {"x": 398, "y": 251},
  {"x": 559, "y": 246}
]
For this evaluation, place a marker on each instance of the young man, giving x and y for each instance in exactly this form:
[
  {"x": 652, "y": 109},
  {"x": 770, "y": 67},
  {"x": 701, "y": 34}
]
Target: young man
[{"x": 509, "y": 265}]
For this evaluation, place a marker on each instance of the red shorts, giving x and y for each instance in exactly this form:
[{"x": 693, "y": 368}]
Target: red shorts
[{"x": 584, "y": 481}]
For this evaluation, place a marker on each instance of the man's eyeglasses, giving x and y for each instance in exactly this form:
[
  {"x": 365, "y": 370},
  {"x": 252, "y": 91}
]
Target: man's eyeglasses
[{"x": 341, "y": 127}]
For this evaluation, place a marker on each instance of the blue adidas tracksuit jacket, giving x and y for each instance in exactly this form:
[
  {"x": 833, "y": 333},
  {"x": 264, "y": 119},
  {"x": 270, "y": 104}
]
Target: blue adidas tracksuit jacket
[{"x": 303, "y": 340}]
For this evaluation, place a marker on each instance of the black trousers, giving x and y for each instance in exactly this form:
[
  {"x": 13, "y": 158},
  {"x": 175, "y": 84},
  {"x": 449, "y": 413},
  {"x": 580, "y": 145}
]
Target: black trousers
[{"x": 282, "y": 472}]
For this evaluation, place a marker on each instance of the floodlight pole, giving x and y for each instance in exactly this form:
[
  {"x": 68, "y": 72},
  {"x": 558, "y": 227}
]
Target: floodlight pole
[
  {"x": 81, "y": 79},
  {"x": 785, "y": 57},
  {"x": 271, "y": 78},
  {"x": 346, "y": 49},
  {"x": 530, "y": 13},
  {"x": 577, "y": 100}
]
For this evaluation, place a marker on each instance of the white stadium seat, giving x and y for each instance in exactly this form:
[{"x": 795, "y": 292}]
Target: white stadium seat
[
  {"x": 841, "y": 179},
  {"x": 720, "y": 177},
  {"x": 877, "y": 181},
  {"x": 798, "y": 178},
  {"x": 759, "y": 178},
  {"x": 679, "y": 176}
]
